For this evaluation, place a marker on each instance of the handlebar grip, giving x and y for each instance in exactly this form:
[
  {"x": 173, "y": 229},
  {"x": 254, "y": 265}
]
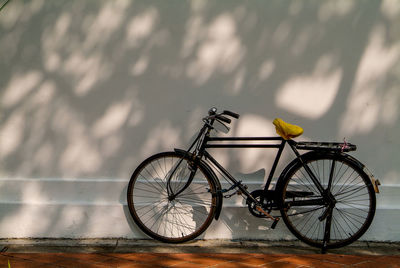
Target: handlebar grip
[
  {"x": 223, "y": 118},
  {"x": 234, "y": 115}
]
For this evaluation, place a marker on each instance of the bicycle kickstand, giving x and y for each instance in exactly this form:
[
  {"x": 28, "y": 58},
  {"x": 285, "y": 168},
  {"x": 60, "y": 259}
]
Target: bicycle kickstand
[{"x": 327, "y": 232}]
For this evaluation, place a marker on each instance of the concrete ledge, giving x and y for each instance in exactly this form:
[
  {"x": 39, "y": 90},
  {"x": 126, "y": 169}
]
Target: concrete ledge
[
  {"x": 118, "y": 245},
  {"x": 96, "y": 208}
]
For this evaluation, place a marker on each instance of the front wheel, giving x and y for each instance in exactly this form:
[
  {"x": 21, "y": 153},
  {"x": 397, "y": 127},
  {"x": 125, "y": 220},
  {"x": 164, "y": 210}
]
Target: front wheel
[
  {"x": 307, "y": 213},
  {"x": 164, "y": 205}
]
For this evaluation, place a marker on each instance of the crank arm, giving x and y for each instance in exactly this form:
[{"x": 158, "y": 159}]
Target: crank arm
[{"x": 276, "y": 220}]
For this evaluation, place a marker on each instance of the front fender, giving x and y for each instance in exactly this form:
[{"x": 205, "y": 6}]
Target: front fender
[{"x": 214, "y": 179}]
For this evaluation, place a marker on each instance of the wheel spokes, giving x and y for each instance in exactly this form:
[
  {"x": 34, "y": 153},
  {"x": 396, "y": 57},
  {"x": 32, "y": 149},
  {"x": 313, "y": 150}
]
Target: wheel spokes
[
  {"x": 180, "y": 217},
  {"x": 345, "y": 213}
]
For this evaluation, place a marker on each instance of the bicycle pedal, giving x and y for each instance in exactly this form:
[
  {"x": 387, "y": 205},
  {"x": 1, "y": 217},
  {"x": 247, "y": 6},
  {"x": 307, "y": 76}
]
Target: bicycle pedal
[{"x": 274, "y": 223}]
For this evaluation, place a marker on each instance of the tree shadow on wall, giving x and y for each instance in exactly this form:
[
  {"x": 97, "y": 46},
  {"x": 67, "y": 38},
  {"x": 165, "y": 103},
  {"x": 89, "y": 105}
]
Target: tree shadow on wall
[{"x": 89, "y": 89}]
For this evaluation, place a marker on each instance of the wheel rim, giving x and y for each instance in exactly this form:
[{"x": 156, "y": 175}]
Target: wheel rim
[
  {"x": 351, "y": 214},
  {"x": 177, "y": 220}
]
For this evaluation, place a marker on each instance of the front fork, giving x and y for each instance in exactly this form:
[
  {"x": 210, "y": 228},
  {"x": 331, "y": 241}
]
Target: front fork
[{"x": 193, "y": 169}]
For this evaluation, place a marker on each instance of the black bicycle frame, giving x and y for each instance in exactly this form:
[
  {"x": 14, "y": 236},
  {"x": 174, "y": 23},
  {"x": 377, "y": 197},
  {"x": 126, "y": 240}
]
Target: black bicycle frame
[
  {"x": 280, "y": 146},
  {"x": 218, "y": 142},
  {"x": 204, "y": 141}
]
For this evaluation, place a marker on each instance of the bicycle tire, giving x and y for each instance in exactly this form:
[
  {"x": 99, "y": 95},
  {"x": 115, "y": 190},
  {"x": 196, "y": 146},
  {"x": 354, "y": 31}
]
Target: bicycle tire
[
  {"x": 351, "y": 187},
  {"x": 171, "y": 221}
]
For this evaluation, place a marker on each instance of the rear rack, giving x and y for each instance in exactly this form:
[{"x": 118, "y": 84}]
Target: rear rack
[{"x": 325, "y": 146}]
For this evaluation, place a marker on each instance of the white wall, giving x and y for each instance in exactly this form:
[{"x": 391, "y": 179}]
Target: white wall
[{"x": 88, "y": 89}]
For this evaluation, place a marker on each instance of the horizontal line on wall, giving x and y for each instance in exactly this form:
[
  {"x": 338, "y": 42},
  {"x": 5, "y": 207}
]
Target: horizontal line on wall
[
  {"x": 112, "y": 192},
  {"x": 119, "y": 180},
  {"x": 56, "y": 203},
  {"x": 116, "y": 204},
  {"x": 63, "y": 180}
]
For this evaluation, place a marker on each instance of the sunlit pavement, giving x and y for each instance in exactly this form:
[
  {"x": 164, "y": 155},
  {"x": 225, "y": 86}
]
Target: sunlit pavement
[{"x": 142, "y": 253}]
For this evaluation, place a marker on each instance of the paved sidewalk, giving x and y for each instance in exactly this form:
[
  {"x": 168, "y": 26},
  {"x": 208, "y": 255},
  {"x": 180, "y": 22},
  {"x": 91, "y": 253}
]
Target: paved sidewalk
[
  {"x": 193, "y": 260},
  {"x": 144, "y": 253}
]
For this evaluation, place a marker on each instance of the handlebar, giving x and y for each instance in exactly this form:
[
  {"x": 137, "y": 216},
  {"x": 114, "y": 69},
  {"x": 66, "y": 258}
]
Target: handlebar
[
  {"x": 221, "y": 117},
  {"x": 232, "y": 114},
  {"x": 213, "y": 111}
]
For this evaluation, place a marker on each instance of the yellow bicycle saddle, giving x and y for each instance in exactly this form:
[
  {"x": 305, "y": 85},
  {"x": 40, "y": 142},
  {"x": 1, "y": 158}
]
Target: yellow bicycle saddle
[{"x": 286, "y": 130}]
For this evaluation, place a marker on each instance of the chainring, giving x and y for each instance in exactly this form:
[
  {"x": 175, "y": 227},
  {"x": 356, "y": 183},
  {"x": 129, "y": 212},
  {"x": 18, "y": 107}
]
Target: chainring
[{"x": 267, "y": 203}]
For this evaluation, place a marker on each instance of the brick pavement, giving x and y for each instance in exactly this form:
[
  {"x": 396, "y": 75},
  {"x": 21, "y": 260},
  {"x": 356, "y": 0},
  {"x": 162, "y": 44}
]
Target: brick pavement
[
  {"x": 194, "y": 260},
  {"x": 199, "y": 253}
]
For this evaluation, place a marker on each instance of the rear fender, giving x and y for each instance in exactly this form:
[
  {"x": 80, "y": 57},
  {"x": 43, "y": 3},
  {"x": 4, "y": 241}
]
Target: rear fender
[
  {"x": 290, "y": 166},
  {"x": 375, "y": 183}
]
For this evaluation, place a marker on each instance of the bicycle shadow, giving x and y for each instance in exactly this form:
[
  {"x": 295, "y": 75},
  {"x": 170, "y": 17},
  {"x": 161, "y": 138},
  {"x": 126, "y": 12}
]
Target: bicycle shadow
[
  {"x": 235, "y": 221},
  {"x": 136, "y": 232},
  {"x": 238, "y": 224}
]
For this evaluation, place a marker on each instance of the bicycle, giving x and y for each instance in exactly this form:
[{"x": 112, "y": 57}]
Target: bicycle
[{"x": 325, "y": 196}]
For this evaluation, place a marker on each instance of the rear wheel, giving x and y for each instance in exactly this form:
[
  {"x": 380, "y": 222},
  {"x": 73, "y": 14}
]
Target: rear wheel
[
  {"x": 157, "y": 211},
  {"x": 308, "y": 216}
]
